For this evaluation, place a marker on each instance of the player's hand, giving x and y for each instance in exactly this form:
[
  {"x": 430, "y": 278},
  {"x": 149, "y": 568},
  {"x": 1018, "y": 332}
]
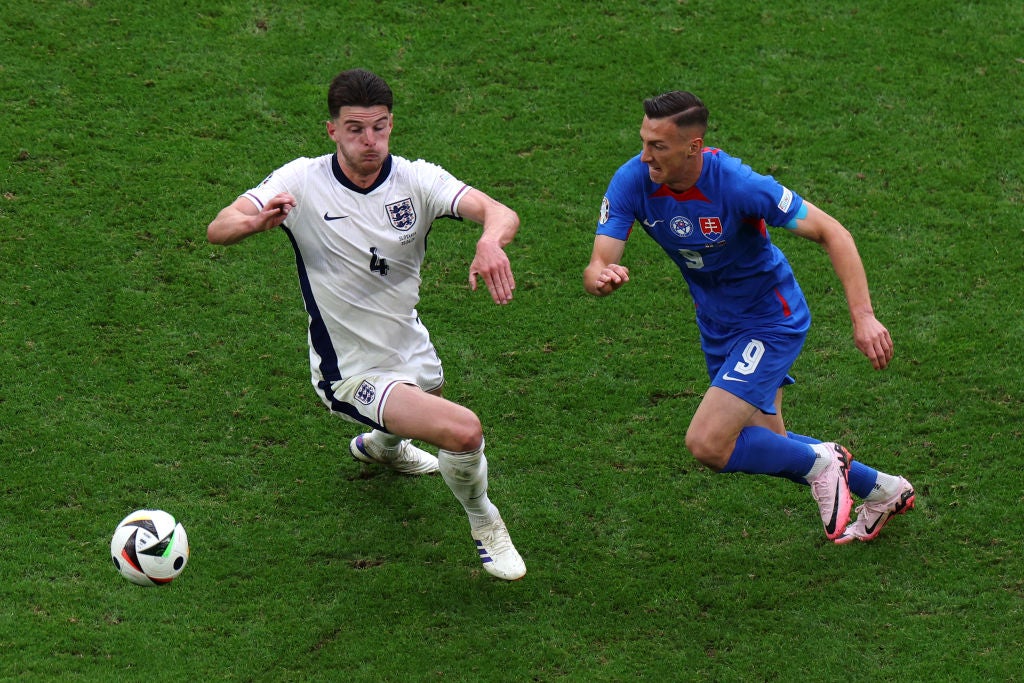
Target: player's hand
[
  {"x": 275, "y": 211},
  {"x": 243, "y": 217},
  {"x": 492, "y": 264},
  {"x": 611, "y": 278},
  {"x": 873, "y": 340}
]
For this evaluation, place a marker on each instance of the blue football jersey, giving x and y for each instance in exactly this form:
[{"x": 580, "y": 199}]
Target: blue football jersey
[{"x": 716, "y": 233}]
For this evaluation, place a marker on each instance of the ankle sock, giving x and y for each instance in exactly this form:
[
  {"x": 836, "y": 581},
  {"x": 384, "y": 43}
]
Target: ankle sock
[{"x": 382, "y": 440}]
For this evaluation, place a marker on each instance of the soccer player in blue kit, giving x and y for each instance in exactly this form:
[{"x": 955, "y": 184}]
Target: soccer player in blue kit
[{"x": 710, "y": 213}]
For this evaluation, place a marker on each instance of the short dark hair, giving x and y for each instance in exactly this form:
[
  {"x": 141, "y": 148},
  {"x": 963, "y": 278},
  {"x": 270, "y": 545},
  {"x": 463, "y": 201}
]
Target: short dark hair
[
  {"x": 358, "y": 88},
  {"x": 683, "y": 107}
]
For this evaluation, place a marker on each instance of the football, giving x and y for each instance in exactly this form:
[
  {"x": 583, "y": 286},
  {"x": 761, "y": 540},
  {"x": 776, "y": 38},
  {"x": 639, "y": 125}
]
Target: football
[{"x": 149, "y": 547}]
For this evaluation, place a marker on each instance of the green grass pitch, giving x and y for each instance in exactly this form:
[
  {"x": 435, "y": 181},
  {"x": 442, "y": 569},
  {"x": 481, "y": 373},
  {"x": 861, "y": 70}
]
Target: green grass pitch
[{"x": 142, "y": 367}]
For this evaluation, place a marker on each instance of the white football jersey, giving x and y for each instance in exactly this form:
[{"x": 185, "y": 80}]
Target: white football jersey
[{"x": 358, "y": 253}]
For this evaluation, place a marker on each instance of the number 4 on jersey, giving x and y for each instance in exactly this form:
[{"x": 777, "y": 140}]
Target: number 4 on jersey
[{"x": 377, "y": 264}]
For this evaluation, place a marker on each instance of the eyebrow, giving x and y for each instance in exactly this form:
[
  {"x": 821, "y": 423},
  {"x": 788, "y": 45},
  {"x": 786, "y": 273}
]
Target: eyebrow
[
  {"x": 652, "y": 139},
  {"x": 359, "y": 121}
]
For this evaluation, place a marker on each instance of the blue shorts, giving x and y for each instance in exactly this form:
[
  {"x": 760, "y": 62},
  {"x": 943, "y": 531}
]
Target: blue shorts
[{"x": 751, "y": 364}]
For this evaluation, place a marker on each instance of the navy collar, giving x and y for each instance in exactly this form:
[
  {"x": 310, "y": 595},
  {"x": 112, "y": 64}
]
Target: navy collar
[{"x": 385, "y": 171}]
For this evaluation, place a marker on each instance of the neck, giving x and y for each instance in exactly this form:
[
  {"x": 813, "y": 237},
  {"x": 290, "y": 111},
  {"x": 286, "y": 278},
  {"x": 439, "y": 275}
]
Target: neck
[
  {"x": 361, "y": 182},
  {"x": 690, "y": 175}
]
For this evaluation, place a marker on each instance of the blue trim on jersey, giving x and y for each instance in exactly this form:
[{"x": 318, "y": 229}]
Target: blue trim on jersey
[
  {"x": 320, "y": 340},
  {"x": 319, "y": 337}
]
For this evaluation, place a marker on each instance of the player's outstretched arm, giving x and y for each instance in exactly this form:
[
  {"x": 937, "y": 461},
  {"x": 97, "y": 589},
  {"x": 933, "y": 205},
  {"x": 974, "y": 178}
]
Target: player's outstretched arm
[
  {"x": 603, "y": 275},
  {"x": 870, "y": 335},
  {"x": 242, "y": 218},
  {"x": 490, "y": 262}
]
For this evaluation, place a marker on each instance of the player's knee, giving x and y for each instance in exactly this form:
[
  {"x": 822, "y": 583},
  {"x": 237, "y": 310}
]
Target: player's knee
[
  {"x": 465, "y": 433},
  {"x": 707, "y": 450}
]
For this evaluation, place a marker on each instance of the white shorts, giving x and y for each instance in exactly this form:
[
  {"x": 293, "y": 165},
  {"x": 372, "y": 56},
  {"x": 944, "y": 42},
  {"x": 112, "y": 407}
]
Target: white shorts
[{"x": 361, "y": 398}]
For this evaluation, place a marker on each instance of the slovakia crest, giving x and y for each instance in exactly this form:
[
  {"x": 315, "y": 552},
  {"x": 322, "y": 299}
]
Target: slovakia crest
[
  {"x": 402, "y": 214},
  {"x": 711, "y": 227}
]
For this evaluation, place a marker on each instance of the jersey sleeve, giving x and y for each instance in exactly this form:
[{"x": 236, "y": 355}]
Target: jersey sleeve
[
  {"x": 283, "y": 179},
  {"x": 619, "y": 205},
  {"x": 766, "y": 198},
  {"x": 442, "y": 191},
  {"x": 788, "y": 205}
]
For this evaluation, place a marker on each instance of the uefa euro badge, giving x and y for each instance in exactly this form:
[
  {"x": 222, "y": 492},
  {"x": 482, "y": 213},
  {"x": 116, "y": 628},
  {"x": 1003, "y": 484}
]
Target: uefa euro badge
[{"x": 402, "y": 214}]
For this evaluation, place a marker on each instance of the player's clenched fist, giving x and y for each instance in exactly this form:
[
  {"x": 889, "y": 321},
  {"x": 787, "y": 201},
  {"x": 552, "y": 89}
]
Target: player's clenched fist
[{"x": 611, "y": 278}]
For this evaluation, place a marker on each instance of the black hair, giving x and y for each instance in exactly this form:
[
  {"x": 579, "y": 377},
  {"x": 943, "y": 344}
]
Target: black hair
[
  {"x": 685, "y": 108},
  {"x": 358, "y": 88}
]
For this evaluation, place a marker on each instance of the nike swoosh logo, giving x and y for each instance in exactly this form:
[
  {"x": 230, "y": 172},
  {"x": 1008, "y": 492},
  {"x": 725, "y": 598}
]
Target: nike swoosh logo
[
  {"x": 844, "y": 464},
  {"x": 729, "y": 378},
  {"x": 868, "y": 530},
  {"x": 898, "y": 509},
  {"x": 651, "y": 225},
  {"x": 830, "y": 528},
  {"x": 332, "y": 218}
]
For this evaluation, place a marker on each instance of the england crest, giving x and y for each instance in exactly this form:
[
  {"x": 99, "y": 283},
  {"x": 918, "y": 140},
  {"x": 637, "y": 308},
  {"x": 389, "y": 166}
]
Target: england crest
[
  {"x": 402, "y": 214},
  {"x": 366, "y": 393}
]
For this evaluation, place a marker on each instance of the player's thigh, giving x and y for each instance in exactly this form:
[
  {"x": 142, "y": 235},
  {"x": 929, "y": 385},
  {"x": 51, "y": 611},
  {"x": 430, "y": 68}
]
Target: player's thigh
[
  {"x": 416, "y": 414},
  {"x": 362, "y": 397},
  {"x": 773, "y": 422},
  {"x": 722, "y": 414},
  {"x": 717, "y": 423}
]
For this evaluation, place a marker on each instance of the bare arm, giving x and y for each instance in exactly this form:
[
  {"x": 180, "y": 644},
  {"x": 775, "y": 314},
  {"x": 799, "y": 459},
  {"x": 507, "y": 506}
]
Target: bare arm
[
  {"x": 870, "y": 336},
  {"x": 603, "y": 275},
  {"x": 242, "y": 218},
  {"x": 500, "y": 225}
]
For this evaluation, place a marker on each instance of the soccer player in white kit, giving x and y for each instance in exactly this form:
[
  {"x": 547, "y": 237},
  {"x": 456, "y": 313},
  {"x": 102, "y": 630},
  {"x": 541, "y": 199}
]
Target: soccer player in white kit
[{"x": 358, "y": 221}]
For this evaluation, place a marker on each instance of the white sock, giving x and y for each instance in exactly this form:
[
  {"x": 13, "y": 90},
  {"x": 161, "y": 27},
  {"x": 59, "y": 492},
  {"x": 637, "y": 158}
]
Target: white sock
[
  {"x": 466, "y": 475},
  {"x": 822, "y": 460},
  {"x": 382, "y": 440},
  {"x": 886, "y": 486}
]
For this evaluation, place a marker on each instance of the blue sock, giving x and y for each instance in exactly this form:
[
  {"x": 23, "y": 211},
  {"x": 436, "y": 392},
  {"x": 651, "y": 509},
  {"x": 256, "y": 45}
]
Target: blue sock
[
  {"x": 762, "y": 451},
  {"x": 862, "y": 477},
  {"x": 802, "y": 439}
]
